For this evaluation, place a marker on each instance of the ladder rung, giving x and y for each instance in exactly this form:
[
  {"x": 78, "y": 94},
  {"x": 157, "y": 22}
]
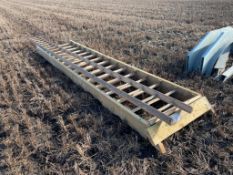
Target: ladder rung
[
  {"x": 83, "y": 64},
  {"x": 78, "y": 51},
  {"x": 102, "y": 62},
  {"x": 95, "y": 59},
  {"x": 116, "y": 80},
  {"x": 59, "y": 52},
  {"x": 63, "y": 45},
  {"x": 107, "y": 75},
  {"x": 165, "y": 107},
  {"x": 55, "y": 50},
  {"x": 89, "y": 56},
  {"x": 150, "y": 100},
  {"x": 161, "y": 109},
  {"x": 72, "y": 49},
  {"x": 88, "y": 68},
  {"x": 71, "y": 58},
  {"x": 68, "y": 47},
  {"x": 136, "y": 93},
  {"x": 98, "y": 70},
  {"x": 84, "y": 53},
  {"x": 77, "y": 61},
  {"x": 124, "y": 86}
]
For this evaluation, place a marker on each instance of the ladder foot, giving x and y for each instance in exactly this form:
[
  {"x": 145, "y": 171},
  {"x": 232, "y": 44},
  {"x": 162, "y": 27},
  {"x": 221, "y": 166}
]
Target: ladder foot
[{"x": 161, "y": 148}]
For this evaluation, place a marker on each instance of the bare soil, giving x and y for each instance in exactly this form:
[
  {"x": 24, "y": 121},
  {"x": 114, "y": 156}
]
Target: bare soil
[{"x": 49, "y": 125}]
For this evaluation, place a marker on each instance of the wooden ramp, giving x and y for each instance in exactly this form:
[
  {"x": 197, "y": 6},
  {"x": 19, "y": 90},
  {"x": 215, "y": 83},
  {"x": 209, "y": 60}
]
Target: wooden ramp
[{"x": 154, "y": 107}]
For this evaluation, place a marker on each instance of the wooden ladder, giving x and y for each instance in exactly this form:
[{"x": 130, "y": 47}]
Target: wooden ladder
[{"x": 146, "y": 102}]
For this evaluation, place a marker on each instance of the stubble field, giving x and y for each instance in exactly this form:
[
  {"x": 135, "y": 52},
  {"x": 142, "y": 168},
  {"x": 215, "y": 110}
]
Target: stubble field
[{"x": 49, "y": 125}]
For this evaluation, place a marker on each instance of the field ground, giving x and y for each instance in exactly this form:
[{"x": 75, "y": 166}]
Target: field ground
[{"x": 48, "y": 125}]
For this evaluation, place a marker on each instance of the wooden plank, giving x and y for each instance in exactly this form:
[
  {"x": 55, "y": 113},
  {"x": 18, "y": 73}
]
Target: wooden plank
[
  {"x": 123, "y": 94},
  {"x": 158, "y": 94}
]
